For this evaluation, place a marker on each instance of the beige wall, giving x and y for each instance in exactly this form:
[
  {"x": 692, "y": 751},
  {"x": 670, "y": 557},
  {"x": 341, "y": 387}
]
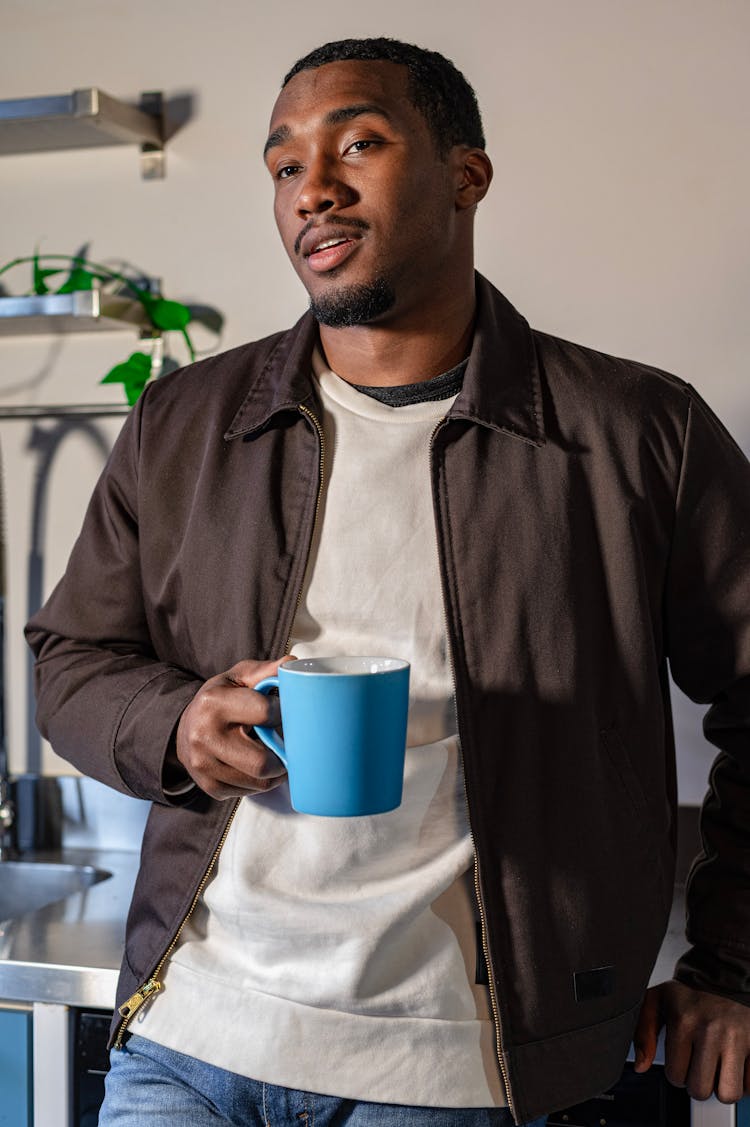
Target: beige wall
[{"x": 618, "y": 216}]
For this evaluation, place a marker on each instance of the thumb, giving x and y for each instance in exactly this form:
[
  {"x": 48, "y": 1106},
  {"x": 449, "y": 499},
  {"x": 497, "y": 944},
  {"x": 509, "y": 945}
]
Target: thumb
[{"x": 647, "y": 1030}]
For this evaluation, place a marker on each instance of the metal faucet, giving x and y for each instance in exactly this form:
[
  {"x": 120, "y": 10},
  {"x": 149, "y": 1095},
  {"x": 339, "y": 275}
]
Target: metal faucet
[{"x": 7, "y": 819}]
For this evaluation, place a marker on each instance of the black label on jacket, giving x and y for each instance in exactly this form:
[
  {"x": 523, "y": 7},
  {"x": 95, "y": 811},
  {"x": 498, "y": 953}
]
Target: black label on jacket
[{"x": 597, "y": 983}]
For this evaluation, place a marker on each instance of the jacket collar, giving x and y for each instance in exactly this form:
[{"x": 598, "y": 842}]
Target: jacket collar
[
  {"x": 501, "y": 386},
  {"x": 285, "y": 381}
]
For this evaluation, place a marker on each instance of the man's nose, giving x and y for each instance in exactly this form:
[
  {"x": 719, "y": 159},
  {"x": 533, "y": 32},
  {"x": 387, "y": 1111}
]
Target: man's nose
[{"x": 322, "y": 188}]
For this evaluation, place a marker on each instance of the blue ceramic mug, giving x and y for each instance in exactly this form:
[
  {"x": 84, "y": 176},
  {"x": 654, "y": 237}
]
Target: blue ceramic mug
[{"x": 344, "y": 721}]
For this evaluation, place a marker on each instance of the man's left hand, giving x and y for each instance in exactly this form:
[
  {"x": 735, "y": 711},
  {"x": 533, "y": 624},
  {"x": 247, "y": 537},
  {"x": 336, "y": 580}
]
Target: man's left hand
[{"x": 707, "y": 1044}]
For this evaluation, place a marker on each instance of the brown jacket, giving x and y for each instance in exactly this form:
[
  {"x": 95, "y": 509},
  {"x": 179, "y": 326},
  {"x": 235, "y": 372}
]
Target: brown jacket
[{"x": 593, "y": 520}]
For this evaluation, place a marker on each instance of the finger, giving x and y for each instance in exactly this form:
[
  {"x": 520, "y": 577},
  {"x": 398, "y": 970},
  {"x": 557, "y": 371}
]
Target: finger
[
  {"x": 225, "y": 776},
  {"x": 703, "y": 1071},
  {"x": 238, "y": 752},
  {"x": 233, "y": 785},
  {"x": 249, "y": 673},
  {"x": 270, "y": 710},
  {"x": 678, "y": 1048},
  {"x": 225, "y": 761},
  {"x": 730, "y": 1083},
  {"x": 223, "y": 704},
  {"x": 647, "y": 1030},
  {"x": 250, "y": 756}
]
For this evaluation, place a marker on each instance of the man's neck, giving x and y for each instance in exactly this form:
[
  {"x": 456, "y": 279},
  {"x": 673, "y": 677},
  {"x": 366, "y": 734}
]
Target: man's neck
[{"x": 388, "y": 355}]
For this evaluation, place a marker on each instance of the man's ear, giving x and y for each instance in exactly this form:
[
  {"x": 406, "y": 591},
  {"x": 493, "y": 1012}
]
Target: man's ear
[{"x": 473, "y": 177}]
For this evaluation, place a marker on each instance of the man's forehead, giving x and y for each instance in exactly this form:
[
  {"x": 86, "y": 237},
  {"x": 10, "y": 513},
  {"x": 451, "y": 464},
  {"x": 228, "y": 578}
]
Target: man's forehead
[{"x": 315, "y": 93}]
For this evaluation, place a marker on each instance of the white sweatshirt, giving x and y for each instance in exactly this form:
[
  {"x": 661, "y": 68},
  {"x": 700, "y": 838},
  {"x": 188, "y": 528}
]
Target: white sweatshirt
[{"x": 338, "y": 955}]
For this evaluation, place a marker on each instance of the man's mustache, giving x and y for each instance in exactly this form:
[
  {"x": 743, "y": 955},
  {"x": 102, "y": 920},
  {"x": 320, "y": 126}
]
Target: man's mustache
[{"x": 340, "y": 221}]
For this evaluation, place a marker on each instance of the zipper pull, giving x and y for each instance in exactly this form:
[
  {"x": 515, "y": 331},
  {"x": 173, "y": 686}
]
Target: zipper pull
[{"x": 135, "y": 1001}]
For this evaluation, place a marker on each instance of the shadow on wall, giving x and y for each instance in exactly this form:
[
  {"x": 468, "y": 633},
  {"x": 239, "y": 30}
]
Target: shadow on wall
[
  {"x": 46, "y": 442},
  {"x": 92, "y": 814}
]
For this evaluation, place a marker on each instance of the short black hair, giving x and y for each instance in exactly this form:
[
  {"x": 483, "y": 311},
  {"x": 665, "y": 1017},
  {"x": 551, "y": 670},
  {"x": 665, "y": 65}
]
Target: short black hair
[{"x": 437, "y": 88}]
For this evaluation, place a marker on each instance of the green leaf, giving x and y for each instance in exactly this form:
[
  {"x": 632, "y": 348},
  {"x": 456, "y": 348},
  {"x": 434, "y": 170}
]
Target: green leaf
[
  {"x": 168, "y": 314},
  {"x": 77, "y": 279},
  {"x": 133, "y": 373},
  {"x": 81, "y": 275},
  {"x": 40, "y": 286}
]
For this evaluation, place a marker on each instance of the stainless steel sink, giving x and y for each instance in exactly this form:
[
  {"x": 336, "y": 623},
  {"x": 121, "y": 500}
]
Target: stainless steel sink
[{"x": 26, "y": 886}]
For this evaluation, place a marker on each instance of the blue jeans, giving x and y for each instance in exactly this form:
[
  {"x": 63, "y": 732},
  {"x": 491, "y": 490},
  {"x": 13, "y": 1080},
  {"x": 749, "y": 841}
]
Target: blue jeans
[{"x": 150, "y": 1086}]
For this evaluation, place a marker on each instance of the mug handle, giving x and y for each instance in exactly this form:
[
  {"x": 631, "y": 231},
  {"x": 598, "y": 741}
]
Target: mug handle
[{"x": 269, "y": 735}]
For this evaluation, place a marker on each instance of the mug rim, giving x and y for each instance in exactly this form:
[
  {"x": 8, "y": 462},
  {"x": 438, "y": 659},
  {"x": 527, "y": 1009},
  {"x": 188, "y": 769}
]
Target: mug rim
[{"x": 301, "y": 666}]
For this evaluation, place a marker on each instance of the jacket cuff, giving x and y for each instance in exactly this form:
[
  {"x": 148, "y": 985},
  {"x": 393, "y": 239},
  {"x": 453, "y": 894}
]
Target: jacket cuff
[
  {"x": 727, "y": 974},
  {"x": 146, "y": 732},
  {"x": 177, "y": 785}
]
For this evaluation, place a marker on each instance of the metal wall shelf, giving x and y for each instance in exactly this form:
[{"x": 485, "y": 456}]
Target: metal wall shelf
[
  {"x": 65, "y": 411},
  {"x": 79, "y": 311},
  {"x": 82, "y": 119}
]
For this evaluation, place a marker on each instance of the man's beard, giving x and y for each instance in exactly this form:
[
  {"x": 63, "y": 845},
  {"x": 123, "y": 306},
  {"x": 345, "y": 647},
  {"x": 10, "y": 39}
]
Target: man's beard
[{"x": 353, "y": 305}]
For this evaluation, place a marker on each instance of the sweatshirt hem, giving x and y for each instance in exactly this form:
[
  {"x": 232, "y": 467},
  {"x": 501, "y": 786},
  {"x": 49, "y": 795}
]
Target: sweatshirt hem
[{"x": 409, "y": 1061}]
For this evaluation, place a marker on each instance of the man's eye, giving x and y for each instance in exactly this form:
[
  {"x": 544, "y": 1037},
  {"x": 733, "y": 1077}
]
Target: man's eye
[
  {"x": 360, "y": 146},
  {"x": 286, "y": 171}
]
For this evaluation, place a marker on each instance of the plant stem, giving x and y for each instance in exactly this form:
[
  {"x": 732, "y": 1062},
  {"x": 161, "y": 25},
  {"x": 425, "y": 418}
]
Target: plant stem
[{"x": 189, "y": 344}]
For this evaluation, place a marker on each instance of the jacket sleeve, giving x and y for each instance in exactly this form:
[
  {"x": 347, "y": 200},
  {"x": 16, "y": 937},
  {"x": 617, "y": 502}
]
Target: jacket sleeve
[
  {"x": 708, "y": 638},
  {"x": 104, "y": 699}
]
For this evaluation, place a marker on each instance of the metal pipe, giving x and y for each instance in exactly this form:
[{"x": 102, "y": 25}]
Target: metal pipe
[{"x": 7, "y": 812}]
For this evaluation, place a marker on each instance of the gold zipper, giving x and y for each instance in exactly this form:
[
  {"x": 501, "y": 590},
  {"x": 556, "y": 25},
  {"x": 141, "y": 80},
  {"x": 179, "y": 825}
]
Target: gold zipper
[
  {"x": 321, "y": 468},
  {"x": 499, "y": 1050},
  {"x": 152, "y": 986},
  {"x": 490, "y": 977}
]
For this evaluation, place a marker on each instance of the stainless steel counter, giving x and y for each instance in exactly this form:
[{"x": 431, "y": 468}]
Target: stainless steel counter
[{"x": 68, "y": 953}]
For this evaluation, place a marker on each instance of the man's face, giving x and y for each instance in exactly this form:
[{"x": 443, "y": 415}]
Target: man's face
[{"x": 364, "y": 204}]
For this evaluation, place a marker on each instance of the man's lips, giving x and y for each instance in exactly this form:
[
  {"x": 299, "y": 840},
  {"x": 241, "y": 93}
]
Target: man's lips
[
  {"x": 329, "y": 254},
  {"x": 322, "y": 238}
]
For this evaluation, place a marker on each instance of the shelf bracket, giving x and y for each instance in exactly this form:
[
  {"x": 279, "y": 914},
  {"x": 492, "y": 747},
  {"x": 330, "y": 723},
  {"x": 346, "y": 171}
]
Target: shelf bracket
[
  {"x": 153, "y": 157},
  {"x": 85, "y": 118}
]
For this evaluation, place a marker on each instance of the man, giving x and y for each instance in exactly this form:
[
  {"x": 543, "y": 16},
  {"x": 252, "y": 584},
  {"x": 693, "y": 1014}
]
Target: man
[{"x": 537, "y": 528}]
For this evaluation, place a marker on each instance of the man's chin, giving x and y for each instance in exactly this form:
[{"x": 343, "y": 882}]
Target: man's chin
[{"x": 342, "y": 307}]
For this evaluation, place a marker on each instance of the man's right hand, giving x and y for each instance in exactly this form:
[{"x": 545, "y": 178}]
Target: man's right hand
[{"x": 215, "y": 742}]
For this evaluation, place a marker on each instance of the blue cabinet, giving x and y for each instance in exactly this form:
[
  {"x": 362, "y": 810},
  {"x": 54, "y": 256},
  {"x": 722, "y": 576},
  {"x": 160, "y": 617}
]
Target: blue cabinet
[{"x": 15, "y": 1069}]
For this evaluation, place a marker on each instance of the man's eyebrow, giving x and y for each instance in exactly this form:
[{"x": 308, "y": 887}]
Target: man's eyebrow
[
  {"x": 347, "y": 113},
  {"x": 333, "y": 117},
  {"x": 278, "y": 137}
]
